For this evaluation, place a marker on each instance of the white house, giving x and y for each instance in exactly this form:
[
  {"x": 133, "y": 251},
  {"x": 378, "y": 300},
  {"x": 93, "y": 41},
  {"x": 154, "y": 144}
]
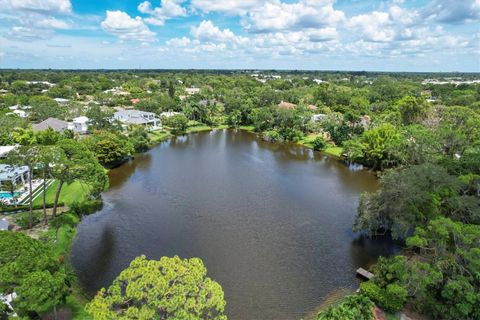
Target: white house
[
  {"x": 317, "y": 117},
  {"x": 4, "y": 150},
  {"x": 169, "y": 114},
  {"x": 192, "y": 91},
  {"x": 137, "y": 117},
  {"x": 62, "y": 101},
  {"x": 79, "y": 125}
]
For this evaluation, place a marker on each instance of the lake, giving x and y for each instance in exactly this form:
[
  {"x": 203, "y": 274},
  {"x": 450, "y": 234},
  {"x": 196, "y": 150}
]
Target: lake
[{"x": 272, "y": 222}]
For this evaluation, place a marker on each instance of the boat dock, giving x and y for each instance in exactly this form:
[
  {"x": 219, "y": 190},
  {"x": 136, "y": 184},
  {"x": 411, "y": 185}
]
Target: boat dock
[{"x": 364, "y": 273}]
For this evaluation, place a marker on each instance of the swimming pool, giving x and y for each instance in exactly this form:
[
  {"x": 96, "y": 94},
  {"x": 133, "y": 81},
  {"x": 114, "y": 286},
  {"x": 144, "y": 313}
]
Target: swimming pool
[{"x": 8, "y": 195}]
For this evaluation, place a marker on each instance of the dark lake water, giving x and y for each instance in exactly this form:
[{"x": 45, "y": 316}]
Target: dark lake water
[{"x": 272, "y": 222}]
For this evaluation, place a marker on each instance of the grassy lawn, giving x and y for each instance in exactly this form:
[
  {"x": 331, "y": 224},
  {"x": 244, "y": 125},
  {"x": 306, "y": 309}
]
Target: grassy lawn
[
  {"x": 199, "y": 127},
  {"x": 331, "y": 148},
  {"x": 76, "y": 300},
  {"x": 70, "y": 193},
  {"x": 159, "y": 136},
  {"x": 247, "y": 128}
]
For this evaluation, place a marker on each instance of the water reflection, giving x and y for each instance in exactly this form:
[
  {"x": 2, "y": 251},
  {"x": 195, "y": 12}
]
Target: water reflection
[{"x": 272, "y": 222}]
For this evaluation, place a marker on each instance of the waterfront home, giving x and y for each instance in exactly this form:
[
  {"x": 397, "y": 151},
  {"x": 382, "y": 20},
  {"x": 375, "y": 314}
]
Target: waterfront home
[
  {"x": 192, "y": 90},
  {"x": 137, "y": 117},
  {"x": 79, "y": 125},
  {"x": 54, "y": 123},
  {"x": 4, "y": 150}
]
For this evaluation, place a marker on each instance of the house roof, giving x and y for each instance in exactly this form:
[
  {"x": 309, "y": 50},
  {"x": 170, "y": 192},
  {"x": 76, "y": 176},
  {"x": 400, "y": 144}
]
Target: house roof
[
  {"x": 287, "y": 105},
  {"x": 4, "y": 150},
  {"x": 54, "y": 123},
  {"x": 8, "y": 172},
  {"x": 82, "y": 119}
]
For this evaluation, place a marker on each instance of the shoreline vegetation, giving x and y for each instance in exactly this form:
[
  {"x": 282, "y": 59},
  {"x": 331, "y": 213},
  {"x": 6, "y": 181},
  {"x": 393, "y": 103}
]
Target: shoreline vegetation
[{"x": 420, "y": 136}]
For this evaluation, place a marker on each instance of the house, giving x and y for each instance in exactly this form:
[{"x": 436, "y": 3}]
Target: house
[
  {"x": 54, "y": 123},
  {"x": 192, "y": 91},
  {"x": 4, "y": 150},
  {"x": 135, "y": 101},
  {"x": 13, "y": 174},
  {"x": 19, "y": 113},
  {"x": 137, "y": 117},
  {"x": 318, "y": 81},
  {"x": 312, "y": 107},
  {"x": 169, "y": 114},
  {"x": 79, "y": 124},
  {"x": 317, "y": 117},
  {"x": 117, "y": 91},
  {"x": 286, "y": 105},
  {"x": 62, "y": 101}
]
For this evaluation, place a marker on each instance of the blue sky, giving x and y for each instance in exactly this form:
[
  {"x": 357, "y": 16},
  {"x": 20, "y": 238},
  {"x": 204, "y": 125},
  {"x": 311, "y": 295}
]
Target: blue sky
[{"x": 395, "y": 35}]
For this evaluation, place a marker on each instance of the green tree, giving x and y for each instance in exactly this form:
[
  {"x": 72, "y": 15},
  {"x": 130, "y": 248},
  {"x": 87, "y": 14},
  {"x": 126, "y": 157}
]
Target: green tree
[
  {"x": 319, "y": 143},
  {"x": 29, "y": 268},
  {"x": 170, "y": 288},
  {"x": 354, "y": 307},
  {"x": 44, "y": 107},
  {"x": 379, "y": 147},
  {"x": 407, "y": 198},
  {"x": 412, "y": 110},
  {"x": 109, "y": 148},
  {"x": 177, "y": 123}
]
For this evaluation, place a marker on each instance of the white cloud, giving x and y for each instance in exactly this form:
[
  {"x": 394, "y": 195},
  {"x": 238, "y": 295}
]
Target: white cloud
[
  {"x": 44, "y": 6},
  {"x": 233, "y": 7},
  {"x": 453, "y": 11},
  {"x": 207, "y": 31},
  {"x": 125, "y": 27},
  {"x": 52, "y": 23},
  {"x": 375, "y": 26},
  {"x": 168, "y": 9},
  {"x": 276, "y": 15}
]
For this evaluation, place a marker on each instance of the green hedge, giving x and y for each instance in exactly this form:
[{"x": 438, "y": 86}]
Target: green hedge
[{"x": 21, "y": 208}]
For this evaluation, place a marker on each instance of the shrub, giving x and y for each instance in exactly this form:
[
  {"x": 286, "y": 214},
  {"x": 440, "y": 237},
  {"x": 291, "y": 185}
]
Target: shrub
[
  {"x": 272, "y": 136},
  {"x": 392, "y": 298},
  {"x": 319, "y": 144},
  {"x": 86, "y": 207},
  {"x": 23, "y": 219},
  {"x": 355, "y": 307}
]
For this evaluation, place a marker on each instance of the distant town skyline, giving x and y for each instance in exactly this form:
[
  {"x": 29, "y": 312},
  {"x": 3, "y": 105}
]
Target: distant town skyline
[{"x": 417, "y": 35}]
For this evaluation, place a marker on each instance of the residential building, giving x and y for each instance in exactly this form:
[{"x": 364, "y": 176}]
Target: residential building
[
  {"x": 192, "y": 91},
  {"x": 137, "y": 117},
  {"x": 79, "y": 124},
  {"x": 15, "y": 175},
  {"x": 317, "y": 117},
  {"x": 286, "y": 105},
  {"x": 169, "y": 114},
  {"x": 4, "y": 150},
  {"x": 54, "y": 123},
  {"x": 62, "y": 101}
]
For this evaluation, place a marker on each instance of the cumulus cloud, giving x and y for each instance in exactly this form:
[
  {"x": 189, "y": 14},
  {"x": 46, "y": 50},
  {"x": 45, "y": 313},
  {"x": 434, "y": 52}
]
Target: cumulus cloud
[
  {"x": 168, "y": 9},
  {"x": 276, "y": 15},
  {"x": 233, "y": 7},
  {"x": 207, "y": 31},
  {"x": 43, "y": 6},
  {"x": 448, "y": 11},
  {"x": 125, "y": 27},
  {"x": 375, "y": 26}
]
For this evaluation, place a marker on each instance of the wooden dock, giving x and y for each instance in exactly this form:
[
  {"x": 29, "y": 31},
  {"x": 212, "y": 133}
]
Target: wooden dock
[{"x": 364, "y": 273}]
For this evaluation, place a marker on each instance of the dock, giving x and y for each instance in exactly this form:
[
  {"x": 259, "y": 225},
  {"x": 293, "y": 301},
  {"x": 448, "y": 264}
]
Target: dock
[{"x": 364, "y": 273}]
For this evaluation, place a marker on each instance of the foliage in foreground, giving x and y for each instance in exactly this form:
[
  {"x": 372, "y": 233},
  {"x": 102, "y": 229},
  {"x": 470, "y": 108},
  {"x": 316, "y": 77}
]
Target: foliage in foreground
[
  {"x": 354, "y": 307},
  {"x": 171, "y": 288},
  {"x": 30, "y": 268}
]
